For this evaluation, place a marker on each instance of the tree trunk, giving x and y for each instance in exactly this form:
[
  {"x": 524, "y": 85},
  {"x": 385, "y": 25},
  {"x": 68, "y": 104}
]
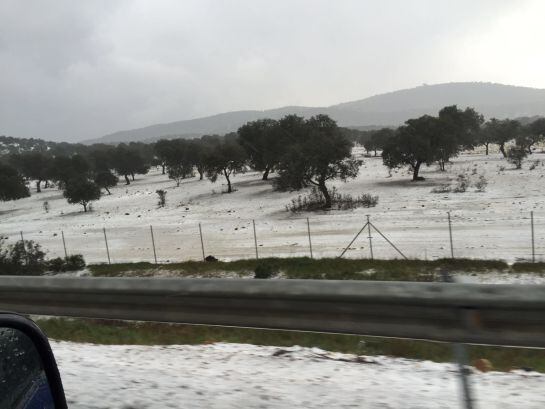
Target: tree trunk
[
  {"x": 107, "y": 190},
  {"x": 229, "y": 188},
  {"x": 38, "y": 188},
  {"x": 266, "y": 173},
  {"x": 84, "y": 207},
  {"x": 132, "y": 174},
  {"x": 375, "y": 152},
  {"x": 416, "y": 169},
  {"x": 502, "y": 150},
  {"x": 46, "y": 183},
  {"x": 325, "y": 193},
  {"x": 128, "y": 182},
  {"x": 486, "y": 146},
  {"x": 163, "y": 166}
]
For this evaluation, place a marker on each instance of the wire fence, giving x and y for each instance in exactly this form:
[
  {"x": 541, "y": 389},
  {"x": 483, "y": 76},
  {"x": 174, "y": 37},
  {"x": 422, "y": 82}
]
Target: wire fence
[{"x": 382, "y": 236}]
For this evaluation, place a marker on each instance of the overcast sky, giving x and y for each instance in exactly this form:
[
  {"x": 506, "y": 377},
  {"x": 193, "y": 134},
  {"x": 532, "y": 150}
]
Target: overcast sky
[{"x": 72, "y": 70}]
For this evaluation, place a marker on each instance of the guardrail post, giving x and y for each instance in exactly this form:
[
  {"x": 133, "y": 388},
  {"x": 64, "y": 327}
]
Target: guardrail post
[
  {"x": 153, "y": 243},
  {"x": 450, "y": 236},
  {"x": 533, "y": 237},
  {"x": 106, "y": 241},
  {"x": 309, "y": 239},
  {"x": 64, "y": 245},
  {"x": 460, "y": 351}
]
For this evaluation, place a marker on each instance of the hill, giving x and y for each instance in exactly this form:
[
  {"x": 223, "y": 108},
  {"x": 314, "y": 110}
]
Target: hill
[
  {"x": 390, "y": 109},
  {"x": 13, "y": 145}
]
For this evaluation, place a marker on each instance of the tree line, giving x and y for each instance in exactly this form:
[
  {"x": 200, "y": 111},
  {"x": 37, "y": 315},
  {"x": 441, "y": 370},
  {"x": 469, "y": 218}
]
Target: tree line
[
  {"x": 436, "y": 139},
  {"x": 80, "y": 175},
  {"x": 302, "y": 152}
]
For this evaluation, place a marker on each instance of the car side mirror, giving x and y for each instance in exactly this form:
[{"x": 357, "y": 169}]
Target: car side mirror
[{"x": 29, "y": 377}]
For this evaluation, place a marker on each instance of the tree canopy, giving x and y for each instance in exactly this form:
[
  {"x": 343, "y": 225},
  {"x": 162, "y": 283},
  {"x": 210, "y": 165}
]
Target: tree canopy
[
  {"x": 502, "y": 131},
  {"x": 429, "y": 139},
  {"x": 12, "y": 185},
  {"x": 106, "y": 179},
  {"x": 263, "y": 142},
  {"x": 33, "y": 165},
  {"x": 456, "y": 130},
  {"x": 412, "y": 145},
  {"x": 81, "y": 191},
  {"x": 377, "y": 140},
  {"x": 226, "y": 157},
  {"x": 316, "y": 153},
  {"x": 128, "y": 161}
]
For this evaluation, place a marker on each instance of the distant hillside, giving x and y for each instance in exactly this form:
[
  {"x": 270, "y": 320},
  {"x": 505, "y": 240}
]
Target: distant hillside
[
  {"x": 390, "y": 109},
  {"x": 13, "y": 145}
]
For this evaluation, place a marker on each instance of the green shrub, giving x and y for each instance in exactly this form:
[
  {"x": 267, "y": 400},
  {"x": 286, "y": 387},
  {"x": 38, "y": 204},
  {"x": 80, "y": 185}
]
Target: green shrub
[
  {"x": 22, "y": 258},
  {"x": 265, "y": 270},
  {"x": 314, "y": 200},
  {"x": 55, "y": 264},
  {"x": 27, "y": 258},
  {"x": 74, "y": 262}
]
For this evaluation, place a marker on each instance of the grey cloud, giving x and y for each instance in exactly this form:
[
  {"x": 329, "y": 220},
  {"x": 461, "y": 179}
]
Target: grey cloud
[{"x": 73, "y": 70}]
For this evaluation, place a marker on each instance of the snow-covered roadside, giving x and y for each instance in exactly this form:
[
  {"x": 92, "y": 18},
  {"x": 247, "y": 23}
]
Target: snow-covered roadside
[{"x": 248, "y": 376}]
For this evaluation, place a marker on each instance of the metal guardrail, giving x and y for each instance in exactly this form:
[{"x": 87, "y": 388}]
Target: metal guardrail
[{"x": 511, "y": 315}]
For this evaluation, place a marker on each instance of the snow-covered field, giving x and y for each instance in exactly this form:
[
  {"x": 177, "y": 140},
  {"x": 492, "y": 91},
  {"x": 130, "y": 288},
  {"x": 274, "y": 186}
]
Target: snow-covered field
[
  {"x": 248, "y": 376},
  {"x": 493, "y": 224}
]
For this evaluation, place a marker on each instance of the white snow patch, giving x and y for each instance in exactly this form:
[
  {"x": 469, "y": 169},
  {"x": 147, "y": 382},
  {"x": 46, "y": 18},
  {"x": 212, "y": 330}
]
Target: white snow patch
[
  {"x": 500, "y": 278},
  {"x": 247, "y": 376}
]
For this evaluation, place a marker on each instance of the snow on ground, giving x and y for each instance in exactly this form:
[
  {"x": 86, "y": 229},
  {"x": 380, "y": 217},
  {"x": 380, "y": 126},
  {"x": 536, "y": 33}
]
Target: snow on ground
[
  {"x": 498, "y": 277},
  {"x": 493, "y": 224},
  {"x": 246, "y": 376}
]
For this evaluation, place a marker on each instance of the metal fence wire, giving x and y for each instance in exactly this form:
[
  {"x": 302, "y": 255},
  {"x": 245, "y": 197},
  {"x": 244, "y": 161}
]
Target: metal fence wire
[{"x": 519, "y": 237}]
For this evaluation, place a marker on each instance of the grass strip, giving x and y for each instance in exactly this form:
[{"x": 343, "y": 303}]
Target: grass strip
[{"x": 109, "y": 332}]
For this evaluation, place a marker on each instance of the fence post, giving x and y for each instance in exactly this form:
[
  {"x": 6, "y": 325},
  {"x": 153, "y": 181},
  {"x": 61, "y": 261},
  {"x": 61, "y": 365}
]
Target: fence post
[
  {"x": 388, "y": 240},
  {"x": 309, "y": 239},
  {"x": 354, "y": 239},
  {"x": 106, "y": 241},
  {"x": 255, "y": 241},
  {"x": 153, "y": 243},
  {"x": 202, "y": 243},
  {"x": 64, "y": 245},
  {"x": 533, "y": 237},
  {"x": 450, "y": 235},
  {"x": 370, "y": 238}
]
